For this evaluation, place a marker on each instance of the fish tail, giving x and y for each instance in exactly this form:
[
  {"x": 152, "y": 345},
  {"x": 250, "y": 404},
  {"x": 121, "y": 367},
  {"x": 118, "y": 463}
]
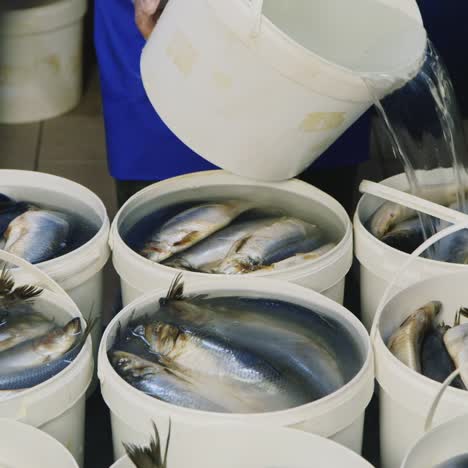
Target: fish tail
[
  {"x": 150, "y": 456},
  {"x": 9, "y": 295},
  {"x": 176, "y": 290}
]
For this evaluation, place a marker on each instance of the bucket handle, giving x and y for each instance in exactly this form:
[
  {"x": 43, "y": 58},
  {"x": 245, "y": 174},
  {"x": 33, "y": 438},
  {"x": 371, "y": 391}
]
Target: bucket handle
[
  {"x": 256, "y": 7},
  {"x": 42, "y": 278}
]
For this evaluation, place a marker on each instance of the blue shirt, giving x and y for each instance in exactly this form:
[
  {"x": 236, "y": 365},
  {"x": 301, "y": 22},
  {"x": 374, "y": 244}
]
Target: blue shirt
[{"x": 139, "y": 144}]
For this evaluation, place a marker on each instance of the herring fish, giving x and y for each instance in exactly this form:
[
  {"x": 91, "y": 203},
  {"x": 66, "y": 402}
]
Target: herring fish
[
  {"x": 406, "y": 236},
  {"x": 305, "y": 351},
  {"x": 37, "y": 235},
  {"x": 460, "y": 461},
  {"x": 406, "y": 342},
  {"x": 271, "y": 244},
  {"x": 436, "y": 363},
  {"x": 390, "y": 214},
  {"x": 223, "y": 361},
  {"x": 170, "y": 385},
  {"x": 301, "y": 258},
  {"x": 9, "y": 210},
  {"x": 150, "y": 456},
  {"x": 21, "y": 327},
  {"x": 190, "y": 227},
  {"x": 208, "y": 254},
  {"x": 32, "y": 362}
]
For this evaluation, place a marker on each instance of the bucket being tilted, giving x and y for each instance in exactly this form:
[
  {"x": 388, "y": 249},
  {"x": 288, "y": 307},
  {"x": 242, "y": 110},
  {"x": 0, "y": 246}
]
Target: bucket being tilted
[{"x": 262, "y": 88}]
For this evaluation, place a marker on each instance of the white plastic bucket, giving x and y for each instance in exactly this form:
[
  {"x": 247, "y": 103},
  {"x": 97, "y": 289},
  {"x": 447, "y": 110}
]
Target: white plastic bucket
[
  {"x": 406, "y": 396},
  {"x": 57, "y": 406},
  {"x": 439, "y": 445},
  {"x": 252, "y": 447},
  {"x": 339, "y": 416},
  {"x": 40, "y": 58},
  {"x": 79, "y": 273},
  {"x": 23, "y": 446},
  {"x": 379, "y": 262},
  {"x": 263, "y": 96},
  {"x": 325, "y": 275}
]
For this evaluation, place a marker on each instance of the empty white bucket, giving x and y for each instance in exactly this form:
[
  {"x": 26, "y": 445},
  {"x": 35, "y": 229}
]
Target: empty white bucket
[
  {"x": 339, "y": 416},
  {"x": 263, "y": 96},
  {"x": 79, "y": 273},
  {"x": 439, "y": 445},
  {"x": 379, "y": 262},
  {"x": 406, "y": 396},
  {"x": 57, "y": 406},
  {"x": 252, "y": 447},
  {"x": 23, "y": 446},
  {"x": 325, "y": 275},
  {"x": 40, "y": 58}
]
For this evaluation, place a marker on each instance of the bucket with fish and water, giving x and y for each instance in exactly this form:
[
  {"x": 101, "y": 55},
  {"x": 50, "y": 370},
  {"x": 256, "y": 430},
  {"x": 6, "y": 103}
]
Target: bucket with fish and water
[
  {"x": 255, "y": 351},
  {"x": 63, "y": 228},
  {"x": 396, "y": 232},
  {"x": 261, "y": 88},
  {"x": 23, "y": 446},
  {"x": 213, "y": 224},
  {"x": 45, "y": 355},
  {"x": 244, "y": 445},
  {"x": 443, "y": 447},
  {"x": 41, "y": 59},
  {"x": 419, "y": 339}
]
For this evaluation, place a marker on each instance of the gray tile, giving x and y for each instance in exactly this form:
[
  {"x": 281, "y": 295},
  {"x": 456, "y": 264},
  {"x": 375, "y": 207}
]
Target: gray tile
[
  {"x": 92, "y": 174},
  {"x": 73, "y": 138},
  {"x": 18, "y": 146}
]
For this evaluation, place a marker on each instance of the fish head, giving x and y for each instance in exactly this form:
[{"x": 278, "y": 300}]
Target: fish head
[
  {"x": 154, "y": 251},
  {"x": 130, "y": 365},
  {"x": 61, "y": 339},
  {"x": 162, "y": 337}
]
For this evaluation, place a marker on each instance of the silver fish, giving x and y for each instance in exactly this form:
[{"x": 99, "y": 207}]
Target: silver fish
[
  {"x": 390, "y": 214},
  {"x": 305, "y": 351},
  {"x": 233, "y": 366},
  {"x": 301, "y": 258},
  {"x": 21, "y": 327},
  {"x": 406, "y": 342},
  {"x": 208, "y": 254},
  {"x": 150, "y": 456},
  {"x": 406, "y": 236},
  {"x": 37, "y": 235},
  {"x": 169, "y": 384},
  {"x": 37, "y": 360},
  {"x": 460, "y": 461},
  {"x": 270, "y": 244},
  {"x": 190, "y": 227}
]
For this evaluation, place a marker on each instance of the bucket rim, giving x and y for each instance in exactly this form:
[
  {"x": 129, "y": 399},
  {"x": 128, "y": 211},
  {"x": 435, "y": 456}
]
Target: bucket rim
[{"x": 295, "y": 293}]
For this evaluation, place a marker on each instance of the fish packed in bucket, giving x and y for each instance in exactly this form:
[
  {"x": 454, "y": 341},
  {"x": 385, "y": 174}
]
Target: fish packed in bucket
[
  {"x": 231, "y": 237},
  {"x": 39, "y": 233},
  {"x": 33, "y": 347},
  {"x": 403, "y": 229},
  {"x": 234, "y": 354},
  {"x": 433, "y": 349}
]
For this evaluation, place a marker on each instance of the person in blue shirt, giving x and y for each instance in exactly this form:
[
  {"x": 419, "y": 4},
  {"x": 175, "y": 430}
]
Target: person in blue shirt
[{"x": 141, "y": 149}]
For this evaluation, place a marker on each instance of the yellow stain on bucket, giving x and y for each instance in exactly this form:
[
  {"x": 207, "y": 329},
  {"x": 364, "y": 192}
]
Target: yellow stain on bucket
[
  {"x": 222, "y": 80},
  {"x": 53, "y": 62},
  {"x": 182, "y": 53},
  {"x": 322, "y": 121}
]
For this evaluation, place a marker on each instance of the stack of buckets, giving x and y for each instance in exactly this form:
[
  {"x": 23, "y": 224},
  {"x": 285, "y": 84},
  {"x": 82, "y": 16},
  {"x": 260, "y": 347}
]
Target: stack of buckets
[{"x": 215, "y": 57}]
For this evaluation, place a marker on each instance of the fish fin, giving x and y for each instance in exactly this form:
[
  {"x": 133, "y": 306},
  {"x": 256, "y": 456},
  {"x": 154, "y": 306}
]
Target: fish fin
[
  {"x": 176, "y": 290},
  {"x": 9, "y": 295}
]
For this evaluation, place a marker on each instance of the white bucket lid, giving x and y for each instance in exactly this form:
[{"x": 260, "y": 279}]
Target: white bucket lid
[{"x": 22, "y": 17}]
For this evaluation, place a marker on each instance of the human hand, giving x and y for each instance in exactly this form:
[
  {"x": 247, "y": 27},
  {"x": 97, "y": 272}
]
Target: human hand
[{"x": 147, "y": 13}]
